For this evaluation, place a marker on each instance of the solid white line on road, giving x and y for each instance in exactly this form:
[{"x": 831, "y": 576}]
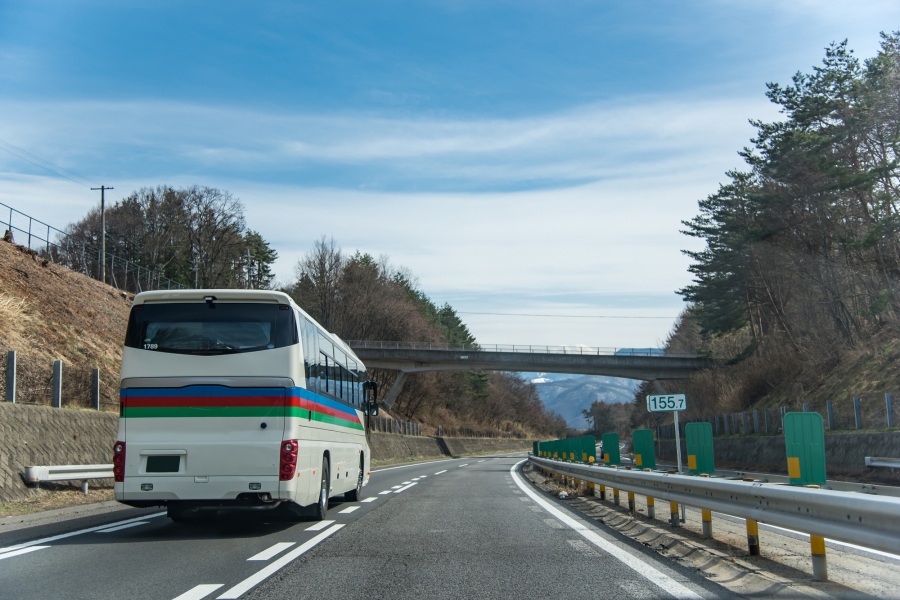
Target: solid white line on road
[
  {"x": 348, "y": 510},
  {"x": 418, "y": 464},
  {"x": 21, "y": 551},
  {"x": 644, "y": 569},
  {"x": 276, "y": 566},
  {"x": 372, "y": 499},
  {"x": 439, "y": 472},
  {"x": 403, "y": 489},
  {"x": 63, "y": 536},
  {"x": 272, "y": 552},
  {"x": 320, "y": 525},
  {"x": 201, "y": 591},
  {"x": 121, "y": 527}
]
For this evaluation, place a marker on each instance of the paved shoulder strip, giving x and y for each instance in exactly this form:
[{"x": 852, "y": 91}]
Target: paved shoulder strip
[{"x": 645, "y": 570}]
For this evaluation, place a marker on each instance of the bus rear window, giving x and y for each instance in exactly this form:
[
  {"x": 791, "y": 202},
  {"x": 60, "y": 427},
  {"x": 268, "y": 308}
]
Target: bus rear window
[{"x": 219, "y": 328}]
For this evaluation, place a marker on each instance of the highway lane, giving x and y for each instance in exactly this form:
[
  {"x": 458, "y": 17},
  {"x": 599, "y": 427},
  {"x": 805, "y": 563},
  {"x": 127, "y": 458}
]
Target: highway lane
[{"x": 456, "y": 528}]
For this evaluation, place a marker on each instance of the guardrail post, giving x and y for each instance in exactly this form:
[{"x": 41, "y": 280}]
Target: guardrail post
[
  {"x": 857, "y": 411},
  {"x": 95, "y": 388},
  {"x": 631, "y": 502},
  {"x": 673, "y": 513},
  {"x": 819, "y": 560},
  {"x": 651, "y": 507},
  {"x": 753, "y": 537},
  {"x": 889, "y": 408},
  {"x": 56, "y": 385},
  {"x": 616, "y": 496},
  {"x": 706, "y": 516},
  {"x": 602, "y": 492},
  {"x": 11, "y": 376}
]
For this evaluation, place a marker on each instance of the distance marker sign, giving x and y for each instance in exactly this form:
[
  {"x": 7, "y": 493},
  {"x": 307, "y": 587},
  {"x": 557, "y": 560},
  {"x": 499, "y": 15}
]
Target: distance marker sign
[{"x": 666, "y": 402}]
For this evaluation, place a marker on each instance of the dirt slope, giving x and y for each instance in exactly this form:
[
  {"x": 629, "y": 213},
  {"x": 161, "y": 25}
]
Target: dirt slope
[{"x": 48, "y": 312}]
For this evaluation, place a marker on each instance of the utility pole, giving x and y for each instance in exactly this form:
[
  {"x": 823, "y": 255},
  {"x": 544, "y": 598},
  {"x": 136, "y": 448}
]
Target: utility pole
[{"x": 103, "y": 189}]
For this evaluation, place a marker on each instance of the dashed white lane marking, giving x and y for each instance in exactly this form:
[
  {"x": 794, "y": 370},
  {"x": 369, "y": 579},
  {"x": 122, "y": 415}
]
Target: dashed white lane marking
[
  {"x": 121, "y": 527},
  {"x": 74, "y": 533},
  {"x": 200, "y": 591},
  {"x": 439, "y": 472},
  {"x": 385, "y": 492},
  {"x": 403, "y": 489},
  {"x": 266, "y": 572},
  {"x": 367, "y": 500},
  {"x": 404, "y": 483},
  {"x": 348, "y": 510},
  {"x": 481, "y": 461},
  {"x": 273, "y": 551},
  {"x": 21, "y": 551},
  {"x": 645, "y": 570},
  {"x": 461, "y": 466},
  {"x": 320, "y": 525}
]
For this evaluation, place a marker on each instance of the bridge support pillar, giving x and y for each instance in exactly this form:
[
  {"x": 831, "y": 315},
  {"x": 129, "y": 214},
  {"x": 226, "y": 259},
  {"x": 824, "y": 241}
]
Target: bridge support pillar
[{"x": 395, "y": 390}]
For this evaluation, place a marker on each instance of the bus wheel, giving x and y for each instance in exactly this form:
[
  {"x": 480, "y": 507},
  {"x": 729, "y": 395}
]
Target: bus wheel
[
  {"x": 356, "y": 494},
  {"x": 178, "y": 514},
  {"x": 321, "y": 508}
]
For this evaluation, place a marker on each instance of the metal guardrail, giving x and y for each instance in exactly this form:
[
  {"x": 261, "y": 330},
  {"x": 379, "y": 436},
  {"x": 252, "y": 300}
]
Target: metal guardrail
[
  {"x": 36, "y": 475},
  {"x": 867, "y": 520},
  {"x": 881, "y": 461},
  {"x": 575, "y": 350}
]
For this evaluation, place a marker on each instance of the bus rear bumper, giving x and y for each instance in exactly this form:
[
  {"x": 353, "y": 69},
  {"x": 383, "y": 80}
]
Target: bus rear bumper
[{"x": 210, "y": 491}]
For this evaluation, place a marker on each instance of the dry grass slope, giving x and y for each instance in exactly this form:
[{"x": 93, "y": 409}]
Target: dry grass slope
[{"x": 48, "y": 312}]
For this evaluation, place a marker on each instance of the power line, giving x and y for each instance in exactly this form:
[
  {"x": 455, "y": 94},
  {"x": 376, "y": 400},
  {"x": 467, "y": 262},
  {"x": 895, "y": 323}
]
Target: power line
[
  {"x": 499, "y": 314},
  {"x": 43, "y": 163}
]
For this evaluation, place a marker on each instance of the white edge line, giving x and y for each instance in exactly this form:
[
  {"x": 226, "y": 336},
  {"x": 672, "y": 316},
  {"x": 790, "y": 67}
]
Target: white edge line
[
  {"x": 200, "y": 591},
  {"x": 121, "y": 527},
  {"x": 645, "y": 570},
  {"x": 272, "y": 552},
  {"x": 79, "y": 532},
  {"x": 403, "y": 489},
  {"x": 21, "y": 551},
  {"x": 439, "y": 472},
  {"x": 261, "y": 575},
  {"x": 418, "y": 464}
]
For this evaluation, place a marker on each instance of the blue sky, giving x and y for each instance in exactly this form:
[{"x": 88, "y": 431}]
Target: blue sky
[{"x": 520, "y": 158}]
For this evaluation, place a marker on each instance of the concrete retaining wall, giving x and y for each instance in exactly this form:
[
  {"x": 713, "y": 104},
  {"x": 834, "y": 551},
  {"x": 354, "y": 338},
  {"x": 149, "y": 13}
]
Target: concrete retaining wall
[{"x": 40, "y": 435}]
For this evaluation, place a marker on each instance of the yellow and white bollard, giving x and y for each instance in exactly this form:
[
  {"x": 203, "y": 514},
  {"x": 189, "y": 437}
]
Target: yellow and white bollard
[
  {"x": 819, "y": 562},
  {"x": 753, "y": 537},
  {"x": 707, "y": 522}
]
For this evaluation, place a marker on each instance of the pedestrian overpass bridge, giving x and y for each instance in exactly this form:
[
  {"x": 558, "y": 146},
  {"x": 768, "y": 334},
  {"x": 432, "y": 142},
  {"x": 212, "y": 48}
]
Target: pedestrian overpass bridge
[{"x": 407, "y": 357}]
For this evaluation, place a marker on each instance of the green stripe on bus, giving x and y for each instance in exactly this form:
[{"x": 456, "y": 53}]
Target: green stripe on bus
[
  {"x": 201, "y": 412},
  {"x": 163, "y": 412}
]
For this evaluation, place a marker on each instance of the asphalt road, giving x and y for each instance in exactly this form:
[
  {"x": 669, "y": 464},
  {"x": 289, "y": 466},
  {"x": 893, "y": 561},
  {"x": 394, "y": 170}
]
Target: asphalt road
[{"x": 463, "y": 528}]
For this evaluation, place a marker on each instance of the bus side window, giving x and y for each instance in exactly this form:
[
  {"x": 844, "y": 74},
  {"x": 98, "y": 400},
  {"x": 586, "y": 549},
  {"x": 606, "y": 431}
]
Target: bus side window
[{"x": 323, "y": 373}]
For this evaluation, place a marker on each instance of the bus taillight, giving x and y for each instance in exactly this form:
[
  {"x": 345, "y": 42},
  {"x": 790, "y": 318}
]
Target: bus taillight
[
  {"x": 288, "y": 460},
  {"x": 119, "y": 461}
]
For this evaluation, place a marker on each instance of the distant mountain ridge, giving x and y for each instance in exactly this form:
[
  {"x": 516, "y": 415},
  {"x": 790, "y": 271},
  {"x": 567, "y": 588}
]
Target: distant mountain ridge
[{"x": 568, "y": 395}]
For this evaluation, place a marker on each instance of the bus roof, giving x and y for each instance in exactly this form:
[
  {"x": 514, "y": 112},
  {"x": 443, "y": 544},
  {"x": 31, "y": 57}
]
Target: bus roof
[{"x": 219, "y": 295}]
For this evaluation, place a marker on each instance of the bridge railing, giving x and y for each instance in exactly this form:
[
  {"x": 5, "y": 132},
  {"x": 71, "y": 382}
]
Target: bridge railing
[{"x": 573, "y": 350}]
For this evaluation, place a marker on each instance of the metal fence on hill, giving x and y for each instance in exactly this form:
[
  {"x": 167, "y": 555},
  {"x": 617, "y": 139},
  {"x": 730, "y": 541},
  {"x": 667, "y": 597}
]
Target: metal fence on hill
[{"x": 55, "y": 245}]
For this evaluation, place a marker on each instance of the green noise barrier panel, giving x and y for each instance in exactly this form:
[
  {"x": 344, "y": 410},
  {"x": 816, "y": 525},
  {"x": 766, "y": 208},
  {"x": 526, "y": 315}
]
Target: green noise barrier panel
[
  {"x": 804, "y": 441},
  {"x": 644, "y": 449},
  {"x": 611, "y": 457},
  {"x": 700, "y": 456}
]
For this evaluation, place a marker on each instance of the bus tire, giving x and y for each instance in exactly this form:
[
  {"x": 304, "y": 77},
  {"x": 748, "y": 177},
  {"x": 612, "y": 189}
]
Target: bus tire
[
  {"x": 321, "y": 508},
  {"x": 178, "y": 514},
  {"x": 355, "y": 495}
]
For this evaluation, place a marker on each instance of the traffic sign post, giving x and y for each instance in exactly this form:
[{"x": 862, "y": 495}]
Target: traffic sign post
[{"x": 669, "y": 403}]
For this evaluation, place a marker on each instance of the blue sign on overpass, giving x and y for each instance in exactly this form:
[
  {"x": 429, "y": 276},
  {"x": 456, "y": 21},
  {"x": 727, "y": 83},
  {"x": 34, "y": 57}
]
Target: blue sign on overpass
[{"x": 406, "y": 357}]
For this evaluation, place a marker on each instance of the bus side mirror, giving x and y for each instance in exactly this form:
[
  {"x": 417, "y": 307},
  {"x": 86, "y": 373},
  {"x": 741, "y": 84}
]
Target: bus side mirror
[{"x": 371, "y": 390}]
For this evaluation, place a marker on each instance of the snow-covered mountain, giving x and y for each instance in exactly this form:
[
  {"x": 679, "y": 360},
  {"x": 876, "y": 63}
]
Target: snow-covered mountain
[{"x": 568, "y": 395}]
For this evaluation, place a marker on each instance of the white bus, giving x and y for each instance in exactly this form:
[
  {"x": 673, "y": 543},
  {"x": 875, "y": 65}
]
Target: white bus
[{"x": 238, "y": 399}]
